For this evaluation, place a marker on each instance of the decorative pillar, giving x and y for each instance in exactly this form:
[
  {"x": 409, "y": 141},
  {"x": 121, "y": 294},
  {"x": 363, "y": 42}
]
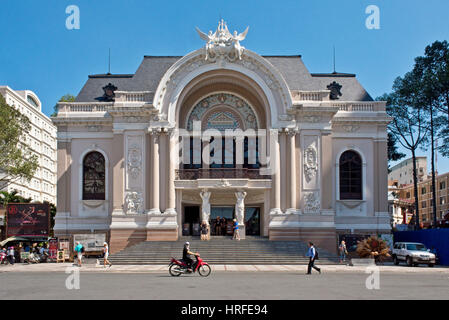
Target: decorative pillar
[
  {"x": 240, "y": 212},
  {"x": 291, "y": 143},
  {"x": 154, "y": 200},
  {"x": 172, "y": 165},
  {"x": 275, "y": 172}
]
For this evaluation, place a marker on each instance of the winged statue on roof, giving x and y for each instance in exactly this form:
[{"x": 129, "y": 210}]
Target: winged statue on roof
[{"x": 222, "y": 43}]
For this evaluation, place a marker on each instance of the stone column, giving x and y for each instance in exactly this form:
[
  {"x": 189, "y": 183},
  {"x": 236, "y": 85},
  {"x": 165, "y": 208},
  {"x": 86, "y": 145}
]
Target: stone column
[
  {"x": 118, "y": 183},
  {"x": 275, "y": 173},
  {"x": 240, "y": 212},
  {"x": 154, "y": 186},
  {"x": 172, "y": 166},
  {"x": 291, "y": 143}
]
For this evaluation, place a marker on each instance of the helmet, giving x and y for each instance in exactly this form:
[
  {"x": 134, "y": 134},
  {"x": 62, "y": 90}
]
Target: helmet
[{"x": 187, "y": 243}]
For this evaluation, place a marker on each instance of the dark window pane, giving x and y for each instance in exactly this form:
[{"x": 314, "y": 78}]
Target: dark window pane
[
  {"x": 350, "y": 176},
  {"x": 94, "y": 176}
]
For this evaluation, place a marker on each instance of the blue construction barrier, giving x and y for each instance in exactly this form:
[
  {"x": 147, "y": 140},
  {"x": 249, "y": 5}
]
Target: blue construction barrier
[{"x": 432, "y": 238}]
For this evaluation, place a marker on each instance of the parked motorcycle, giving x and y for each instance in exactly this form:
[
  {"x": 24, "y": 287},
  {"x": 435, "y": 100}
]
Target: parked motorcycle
[
  {"x": 178, "y": 267},
  {"x": 3, "y": 258}
]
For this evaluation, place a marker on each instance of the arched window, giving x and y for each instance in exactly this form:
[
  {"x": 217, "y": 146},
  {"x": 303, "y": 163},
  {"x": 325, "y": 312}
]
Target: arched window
[
  {"x": 94, "y": 176},
  {"x": 350, "y": 176}
]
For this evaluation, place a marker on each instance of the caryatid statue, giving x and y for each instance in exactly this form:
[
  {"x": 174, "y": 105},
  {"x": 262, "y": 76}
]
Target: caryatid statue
[
  {"x": 205, "y": 208},
  {"x": 240, "y": 206}
]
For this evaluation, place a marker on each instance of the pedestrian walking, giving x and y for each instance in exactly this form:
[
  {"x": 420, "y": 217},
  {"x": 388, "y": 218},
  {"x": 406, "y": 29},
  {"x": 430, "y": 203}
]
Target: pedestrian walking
[
  {"x": 236, "y": 230},
  {"x": 11, "y": 253},
  {"x": 313, "y": 255},
  {"x": 343, "y": 251},
  {"x": 106, "y": 255},
  {"x": 79, "y": 252}
]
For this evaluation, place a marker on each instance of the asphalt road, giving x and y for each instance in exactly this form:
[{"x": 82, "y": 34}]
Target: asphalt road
[{"x": 236, "y": 285}]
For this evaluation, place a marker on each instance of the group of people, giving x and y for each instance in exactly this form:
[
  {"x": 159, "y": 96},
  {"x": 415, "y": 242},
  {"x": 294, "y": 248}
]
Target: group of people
[
  {"x": 8, "y": 255},
  {"x": 79, "y": 249},
  {"x": 13, "y": 254},
  {"x": 220, "y": 227}
]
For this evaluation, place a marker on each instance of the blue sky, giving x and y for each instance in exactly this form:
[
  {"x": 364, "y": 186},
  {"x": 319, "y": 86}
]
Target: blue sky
[{"x": 39, "y": 53}]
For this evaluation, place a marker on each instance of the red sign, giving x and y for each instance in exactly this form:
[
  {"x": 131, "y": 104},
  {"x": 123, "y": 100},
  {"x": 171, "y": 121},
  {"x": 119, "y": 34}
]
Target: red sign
[
  {"x": 27, "y": 219},
  {"x": 52, "y": 248}
]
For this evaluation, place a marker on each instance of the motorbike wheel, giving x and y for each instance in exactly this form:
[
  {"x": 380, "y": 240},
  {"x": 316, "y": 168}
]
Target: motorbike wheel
[
  {"x": 175, "y": 270},
  {"x": 204, "y": 270}
]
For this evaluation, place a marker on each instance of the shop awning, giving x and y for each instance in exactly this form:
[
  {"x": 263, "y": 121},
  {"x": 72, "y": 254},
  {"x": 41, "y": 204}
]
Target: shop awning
[{"x": 12, "y": 239}]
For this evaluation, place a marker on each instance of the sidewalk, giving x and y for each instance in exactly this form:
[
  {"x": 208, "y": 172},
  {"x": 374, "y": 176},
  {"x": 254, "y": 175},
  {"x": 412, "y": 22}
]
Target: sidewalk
[{"x": 61, "y": 267}]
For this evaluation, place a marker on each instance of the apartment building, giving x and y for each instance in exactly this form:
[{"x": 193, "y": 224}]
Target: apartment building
[
  {"x": 406, "y": 196},
  {"x": 42, "y": 140}
]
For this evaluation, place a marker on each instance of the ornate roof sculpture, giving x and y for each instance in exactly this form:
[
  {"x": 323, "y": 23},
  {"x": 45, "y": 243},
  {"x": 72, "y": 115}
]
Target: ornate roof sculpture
[
  {"x": 109, "y": 94},
  {"x": 222, "y": 44},
  {"x": 335, "y": 89}
]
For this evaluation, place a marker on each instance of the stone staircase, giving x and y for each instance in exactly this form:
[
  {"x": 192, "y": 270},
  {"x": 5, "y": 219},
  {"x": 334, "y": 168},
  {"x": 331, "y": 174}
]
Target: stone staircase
[{"x": 222, "y": 250}]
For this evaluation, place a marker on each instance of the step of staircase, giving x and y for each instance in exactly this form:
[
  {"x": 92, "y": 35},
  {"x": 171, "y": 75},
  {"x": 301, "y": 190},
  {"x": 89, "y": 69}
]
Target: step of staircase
[{"x": 222, "y": 250}]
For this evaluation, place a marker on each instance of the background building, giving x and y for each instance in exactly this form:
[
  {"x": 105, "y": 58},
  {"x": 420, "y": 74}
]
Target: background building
[
  {"x": 403, "y": 171},
  {"x": 42, "y": 141},
  {"x": 405, "y": 201}
]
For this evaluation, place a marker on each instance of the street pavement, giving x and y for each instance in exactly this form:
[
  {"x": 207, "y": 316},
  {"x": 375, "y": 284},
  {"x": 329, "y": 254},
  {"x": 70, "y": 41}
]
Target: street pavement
[
  {"x": 93, "y": 267},
  {"x": 285, "y": 282}
]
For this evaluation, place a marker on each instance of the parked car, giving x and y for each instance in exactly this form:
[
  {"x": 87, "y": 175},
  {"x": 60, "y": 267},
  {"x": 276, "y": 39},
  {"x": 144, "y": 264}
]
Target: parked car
[{"x": 413, "y": 253}]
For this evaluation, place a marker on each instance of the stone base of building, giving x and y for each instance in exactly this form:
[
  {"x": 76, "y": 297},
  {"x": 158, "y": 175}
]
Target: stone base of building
[
  {"x": 121, "y": 239},
  {"x": 325, "y": 238},
  {"x": 162, "y": 235}
]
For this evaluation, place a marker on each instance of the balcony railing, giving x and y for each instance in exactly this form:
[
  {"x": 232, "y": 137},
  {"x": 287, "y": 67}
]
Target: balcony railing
[
  {"x": 133, "y": 96},
  {"x": 220, "y": 173}
]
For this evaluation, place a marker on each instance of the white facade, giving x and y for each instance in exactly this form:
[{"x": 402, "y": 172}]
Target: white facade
[{"x": 42, "y": 140}]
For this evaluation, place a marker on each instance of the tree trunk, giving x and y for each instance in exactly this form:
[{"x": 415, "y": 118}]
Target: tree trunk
[
  {"x": 415, "y": 187},
  {"x": 434, "y": 200}
]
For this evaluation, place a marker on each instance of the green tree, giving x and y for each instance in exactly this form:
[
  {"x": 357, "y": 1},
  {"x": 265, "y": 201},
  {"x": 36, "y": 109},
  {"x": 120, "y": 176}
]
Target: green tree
[
  {"x": 408, "y": 125},
  {"x": 425, "y": 71},
  {"x": 65, "y": 98},
  {"x": 393, "y": 153},
  {"x": 437, "y": 62},
  {"x": 17, "y": 160},
  {"x": 12, "y": 197}
]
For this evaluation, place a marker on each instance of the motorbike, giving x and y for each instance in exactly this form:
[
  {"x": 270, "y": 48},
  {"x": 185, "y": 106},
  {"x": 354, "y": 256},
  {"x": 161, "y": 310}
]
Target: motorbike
[
  {"x": 178, "y": 267},
  {"x": 3, "y": 258}
]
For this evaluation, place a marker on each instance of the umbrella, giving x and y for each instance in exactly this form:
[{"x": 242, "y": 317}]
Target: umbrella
[{"x": 12, "y": 239}]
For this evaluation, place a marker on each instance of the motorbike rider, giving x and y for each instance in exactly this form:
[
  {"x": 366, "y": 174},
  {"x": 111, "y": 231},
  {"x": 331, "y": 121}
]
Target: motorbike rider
[{"x": 186, "y": 256}]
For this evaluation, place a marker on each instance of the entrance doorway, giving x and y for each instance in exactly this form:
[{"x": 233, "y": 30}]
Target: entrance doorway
[
  {"x": 191, "y": 223},
  {"x": 221, "y": 221},
  {"x": 223, "y": 226},
  {"x": 252, "y": 221}
]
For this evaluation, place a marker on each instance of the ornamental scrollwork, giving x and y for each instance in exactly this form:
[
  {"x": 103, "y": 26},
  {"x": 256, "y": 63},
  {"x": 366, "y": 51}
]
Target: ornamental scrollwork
[
  {"x": 134, "y": 161},
  {"x": 310, "y": 162}
]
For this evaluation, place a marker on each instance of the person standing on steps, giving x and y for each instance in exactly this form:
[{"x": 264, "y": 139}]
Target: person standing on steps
[
  {"x": 204, "y": 230},
  {"x": 313, "y": 255},
  {"x": 236, "y": 230},
  {"x": 218, "y": 226}
]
